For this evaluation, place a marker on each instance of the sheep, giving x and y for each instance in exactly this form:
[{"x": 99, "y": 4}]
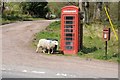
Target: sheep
[
  {"x": 52, "y": 46},
  {"x": 41, "y": 44},
  {"x": 55, "y": 48},
  {"x": 46, "y": 45}
]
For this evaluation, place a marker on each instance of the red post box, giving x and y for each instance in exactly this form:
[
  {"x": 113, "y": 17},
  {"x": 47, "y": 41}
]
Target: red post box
[
  {"x": 70, "y": 30},
  {"x": 106, "y": 34}
]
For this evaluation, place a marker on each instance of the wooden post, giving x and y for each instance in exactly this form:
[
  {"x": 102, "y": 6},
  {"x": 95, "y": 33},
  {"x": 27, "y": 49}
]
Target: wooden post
[
  {"x": 80, "y": 26},
  {"x": 105, "y": 49}
]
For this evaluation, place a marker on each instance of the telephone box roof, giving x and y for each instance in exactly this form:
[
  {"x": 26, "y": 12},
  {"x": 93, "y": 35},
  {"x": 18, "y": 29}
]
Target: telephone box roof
[{"x": 71, "y": 7}]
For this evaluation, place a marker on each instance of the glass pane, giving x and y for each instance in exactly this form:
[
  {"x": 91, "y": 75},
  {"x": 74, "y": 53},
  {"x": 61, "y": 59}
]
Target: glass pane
[
  {"x": 68, "y": 39},
  {"x": 69, "y": 43},
  {"x": 68, "y": 26},
  {"x": 68, "y": 34},
  {"x": 69, "y": 17},
  {"x": 69, "y": 22},
  {"x": 69, "y": 47},
  {"x": 68, "y": 30}
]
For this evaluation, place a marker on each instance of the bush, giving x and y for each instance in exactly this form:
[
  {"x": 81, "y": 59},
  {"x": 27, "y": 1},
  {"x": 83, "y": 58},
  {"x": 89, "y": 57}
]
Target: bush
[{"x": 35, "y": 9}]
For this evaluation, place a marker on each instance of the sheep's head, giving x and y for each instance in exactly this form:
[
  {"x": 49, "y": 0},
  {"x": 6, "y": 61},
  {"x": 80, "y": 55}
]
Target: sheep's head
[{"x": 55, "y": 42}]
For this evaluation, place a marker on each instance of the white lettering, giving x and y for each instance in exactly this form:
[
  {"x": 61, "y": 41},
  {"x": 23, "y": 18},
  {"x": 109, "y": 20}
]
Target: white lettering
[{"x": 68, "y": 11}]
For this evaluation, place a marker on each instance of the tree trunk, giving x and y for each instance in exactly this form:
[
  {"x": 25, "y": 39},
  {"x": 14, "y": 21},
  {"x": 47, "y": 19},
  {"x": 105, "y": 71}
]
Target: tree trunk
[
  {"x": 97, "y": 11},
  {"x": 80, "y": 5},
  {"x": 3, "y": 7},
  {"x": 119, "y": 15},
  {"x": 94, "y": 14},
  {"x": 86, "y": 11}
]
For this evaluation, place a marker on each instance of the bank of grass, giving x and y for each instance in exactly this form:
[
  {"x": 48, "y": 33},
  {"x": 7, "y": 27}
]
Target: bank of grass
[
  {"x": 15, "y": 19},
  {"x": 93, "y": 44},
  {"x": 52, "y": 31}
]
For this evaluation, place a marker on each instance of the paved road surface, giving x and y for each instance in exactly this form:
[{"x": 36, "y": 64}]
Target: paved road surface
[{"x": 20, "y": 60}]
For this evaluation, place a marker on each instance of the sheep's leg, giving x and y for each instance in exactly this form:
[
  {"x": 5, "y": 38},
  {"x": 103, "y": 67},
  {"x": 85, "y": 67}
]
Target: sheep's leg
[
  {"x": 37, "y": 49},
  {"x": 48, "y": 48},
  {"x": 49, "y": 51},
  {"x": 43, "y": 50},
  {"x": 52, "y": 51},
  {"x": 38, "y": 46}
]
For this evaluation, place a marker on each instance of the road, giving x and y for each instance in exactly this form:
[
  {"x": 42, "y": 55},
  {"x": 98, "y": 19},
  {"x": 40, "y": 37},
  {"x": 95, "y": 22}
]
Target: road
[{"x": 19, "y": 59}]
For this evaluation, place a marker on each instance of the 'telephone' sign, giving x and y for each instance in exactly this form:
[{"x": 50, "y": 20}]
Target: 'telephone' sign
[{"x": 69, "y": 11}]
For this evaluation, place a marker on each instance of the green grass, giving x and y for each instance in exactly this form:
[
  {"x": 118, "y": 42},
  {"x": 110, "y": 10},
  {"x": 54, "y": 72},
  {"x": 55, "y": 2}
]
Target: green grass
[
  {"x": 93, "y": 44},
  {"x": 11, "y": 20},
  {"x": 52, "y": 31}
]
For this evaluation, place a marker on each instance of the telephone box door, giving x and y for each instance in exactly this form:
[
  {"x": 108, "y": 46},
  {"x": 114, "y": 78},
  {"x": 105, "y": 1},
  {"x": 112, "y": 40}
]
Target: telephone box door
[
  {"x": 69, "y": 25},
  {"x": 69, "y": 34}
]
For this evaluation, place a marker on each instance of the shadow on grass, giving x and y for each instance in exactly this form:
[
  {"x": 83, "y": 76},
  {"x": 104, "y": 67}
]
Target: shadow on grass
[
  {"x": 84, "y": 50},
  {"x": 88, "y": 50}
]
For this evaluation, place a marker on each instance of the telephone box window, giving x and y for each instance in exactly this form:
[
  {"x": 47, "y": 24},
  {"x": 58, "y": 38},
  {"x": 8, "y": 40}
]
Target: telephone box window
[
  {"x": 68, "y": 26},
  {"x": 68, "y": 30},
  {"x": 69, "y": 17},
  {"x": 69, "y": 47},
  {"x": 69, "y": 43},
  {"x": 69, "y": 35},
  {"x": 68, "y": 38},
  {"x": 69, "y": 22}
]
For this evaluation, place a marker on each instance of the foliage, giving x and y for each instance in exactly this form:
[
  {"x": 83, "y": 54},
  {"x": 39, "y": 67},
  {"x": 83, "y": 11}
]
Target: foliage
[
  {"x": 38, "y": 9},
  {"x": 17, "y": 10},
  {"x": 55, "y": 7},
  {"x": 14, "y": 12}
]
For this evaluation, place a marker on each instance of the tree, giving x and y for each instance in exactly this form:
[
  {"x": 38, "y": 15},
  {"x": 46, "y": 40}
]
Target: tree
[
  {"x": 2, "y": 6},
  {"x": 38, "y": 9},
  {"x": 97, "y": 11},
  {"x": 85, "y": 6},
  {"x": 119, "y": 14}
]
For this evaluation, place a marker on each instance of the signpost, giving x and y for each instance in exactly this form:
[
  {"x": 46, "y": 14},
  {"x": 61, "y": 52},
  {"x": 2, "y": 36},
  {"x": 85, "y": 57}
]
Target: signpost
[{"x": 106, "y": 37}]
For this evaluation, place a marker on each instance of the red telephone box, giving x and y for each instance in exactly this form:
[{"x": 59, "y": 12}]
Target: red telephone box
[{"x": 70, "y": 30}]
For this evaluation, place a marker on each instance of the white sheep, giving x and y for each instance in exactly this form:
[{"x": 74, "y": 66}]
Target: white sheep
[
  {"x": 46, "y": 44},
  {"x": 41, "y": 44}
]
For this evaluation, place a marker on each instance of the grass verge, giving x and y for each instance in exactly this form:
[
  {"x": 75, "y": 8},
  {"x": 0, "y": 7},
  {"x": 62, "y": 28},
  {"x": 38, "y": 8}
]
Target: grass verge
[{"x": 12, "y": 19}]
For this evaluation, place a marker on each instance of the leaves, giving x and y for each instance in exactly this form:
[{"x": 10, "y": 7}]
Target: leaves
[{"x": 38, "y": 9}]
